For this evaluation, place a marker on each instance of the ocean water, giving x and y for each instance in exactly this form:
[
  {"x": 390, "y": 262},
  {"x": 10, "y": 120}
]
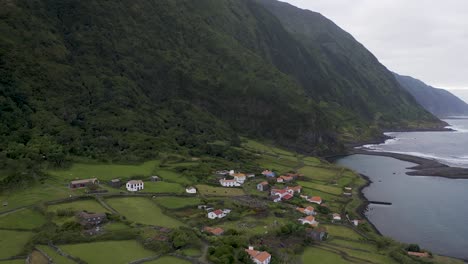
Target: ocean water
[
  {"x": 450, "y": 148},
  {"x": 429, "y": 211}
]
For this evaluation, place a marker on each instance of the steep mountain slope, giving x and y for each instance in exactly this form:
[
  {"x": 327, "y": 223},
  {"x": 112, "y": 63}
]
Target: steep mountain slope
[
  {"x": 439, "y": 102},
  {"x": 346, "y": 76},
  {"x": 128, "y": 79}
]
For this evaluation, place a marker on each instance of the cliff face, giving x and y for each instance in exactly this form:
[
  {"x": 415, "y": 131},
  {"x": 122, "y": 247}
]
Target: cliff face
[{"x": 439, "y": 102}]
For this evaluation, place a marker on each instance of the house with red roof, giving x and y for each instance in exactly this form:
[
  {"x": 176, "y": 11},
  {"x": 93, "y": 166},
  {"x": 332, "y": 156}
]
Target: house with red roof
[
  {"x": 315, "y": 199},
  {"x": 308, "y": 220},
  {"x": 309, "y": 210},
  {"x": 218, "y": 214},
  {"x": 295, "y": 189},
  {"x": 217, "y": 231},
  {"x": 258, "y": 257}
]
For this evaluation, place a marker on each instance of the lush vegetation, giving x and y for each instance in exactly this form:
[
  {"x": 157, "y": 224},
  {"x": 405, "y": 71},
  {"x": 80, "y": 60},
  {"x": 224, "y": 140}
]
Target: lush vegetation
[{"x": 128, "y": 81}]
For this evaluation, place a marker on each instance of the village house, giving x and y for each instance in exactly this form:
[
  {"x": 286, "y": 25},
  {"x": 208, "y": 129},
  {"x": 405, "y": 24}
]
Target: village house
[
  {"x": 295, "y": 176},
  {"x": 229, "y": 183},
  {"x": 135, "y": 185},
  {"x": 217, "y": 231},
  {"x": 295, "y": 189},
  {"x": 155, "y": 178},
  {"x": 263, "y": 186},
  {"x": 218, "y": 213},
  {"x": 239, "y": 177},
  {"x": 275, "y": 198},
  {"x": 191, "y": 190},
  {"x": 316, "y": 234},
  {"x": 348, "y": 189},
  {"x": 284, "y": 179},
  {"x": 115, "y": 183},
  {"x": 315, "y": 199},
  {"x": 251, "y": 175},
  {"x": 89, "y": 220},
  {"x": 258, "y": 257},
  {"x": 308, "y": 220},
  {"x": 347, "y": 194},
  {"x": 336, "y": 217},
  {"x": 309, "y": 210},
  {"x": 268, "y": 173},
  {"x": 83, "y": 183}
]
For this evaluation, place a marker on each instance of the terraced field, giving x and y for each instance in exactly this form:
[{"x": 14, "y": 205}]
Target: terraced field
[
  {"x": 142, "y": 210},
  {"x": 118, "y": 252}
]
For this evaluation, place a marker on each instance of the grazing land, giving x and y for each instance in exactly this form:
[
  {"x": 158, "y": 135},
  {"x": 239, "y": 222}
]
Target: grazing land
[
  {"x": 12, "y": 242},
  {"x": 108, "y": 251},
  {"x": 219, "y": 191},
  {"x": 163, "y": 187},
  {"x": 57, "y": 258},
  {"x": 168, "y": 260},
  {"x": 177, "y": 202},
  {"x": 89, "y": 205},
  {"x": 142, "y": 210},
  {"x": 22, "y": 219}
]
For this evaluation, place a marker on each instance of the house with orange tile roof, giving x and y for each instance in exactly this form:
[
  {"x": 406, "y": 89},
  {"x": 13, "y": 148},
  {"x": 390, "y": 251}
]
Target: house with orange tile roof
[
  {"x": 294, "y": 189},
  {"x": 258, "y": 257},
  {"x": 217, "y": 231},
  {"x": 309, "y": 210},
  {"x": 315, "y": 199},
  {"x": 285, "y": 178},
  {"x": 308, "y": 220}
]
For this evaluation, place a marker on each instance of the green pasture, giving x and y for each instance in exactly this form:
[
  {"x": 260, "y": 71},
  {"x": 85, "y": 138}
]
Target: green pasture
[
  {"x": 163, "y": 187},
  {"x": 219, "y": 191},
  {"x": 22, "y": 219},
  {"x": 12, "y": 242},
  {"x": 177, "y": 202}
]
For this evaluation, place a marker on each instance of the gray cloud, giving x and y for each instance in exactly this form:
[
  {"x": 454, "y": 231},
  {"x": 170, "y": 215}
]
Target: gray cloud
[{"x": 426, "y": 39}]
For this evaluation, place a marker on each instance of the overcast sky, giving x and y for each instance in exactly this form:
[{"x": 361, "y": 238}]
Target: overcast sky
[{"x": 426, "y": 39}]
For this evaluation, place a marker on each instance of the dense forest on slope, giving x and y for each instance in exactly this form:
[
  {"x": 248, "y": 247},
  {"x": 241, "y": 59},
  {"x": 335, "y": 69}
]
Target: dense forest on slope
[
  {"x": 125, "y": 80},
  {"x": 438, "y": 101}
]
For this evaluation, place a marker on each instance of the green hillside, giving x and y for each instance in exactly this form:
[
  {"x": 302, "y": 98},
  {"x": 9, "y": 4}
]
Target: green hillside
[{"x": 126, "y": 80}]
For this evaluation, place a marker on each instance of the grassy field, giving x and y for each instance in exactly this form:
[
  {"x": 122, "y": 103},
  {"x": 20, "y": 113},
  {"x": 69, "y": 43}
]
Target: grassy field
[
  {"x": 50, "y": 190},
  {"x": 172, "y": 176},
  {"x": 312, "y": 254},
  {"x": 37, "y": 257},
  {"x": 319, "y": 173},
  {"x": 24, "y": 219},
  {"x": 115, "y": 226},
  {"x": 342, "y": 231},
  {"x": 142, "y": 210},
  {"x": 219, "y": 191},
  {"x": 108, "y": 252},
  {"x": 163, "y": 187},
  {"x": 104, "y": 172},
  {"x": 12, "y": 242},
  {"x": 255, "y": 226},
  {"x": 168, "y": 260},
  {"x": 177, "y": 202},
  {"x": 79, "y": 205},
  {"x": 54, "y": 255},
  {"x": 324, "y": 188},
  {"x": 191, "y": 252},
  {"x": 15, "y": 261}
]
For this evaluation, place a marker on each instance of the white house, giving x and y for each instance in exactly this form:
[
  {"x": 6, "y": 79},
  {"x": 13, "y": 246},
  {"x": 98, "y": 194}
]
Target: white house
[
  {"x": 262, "y": 186},
  {"x": 239, "y": 177},
  {"x": 218, "y": 213},
  {"x": 258, "y": 257},
  {"x": 135, "y": 185},
  {"x": 229, "y": 183},
  {"x": 308, "y": 220},
  {"x": 191, "y": 190},
  {"x": 336, "y": 217},
  {"x": 309, "y": 210}
]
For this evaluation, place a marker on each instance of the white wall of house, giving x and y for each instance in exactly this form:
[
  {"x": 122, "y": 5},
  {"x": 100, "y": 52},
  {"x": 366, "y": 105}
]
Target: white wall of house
[{"x": 134, "y": 187}]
